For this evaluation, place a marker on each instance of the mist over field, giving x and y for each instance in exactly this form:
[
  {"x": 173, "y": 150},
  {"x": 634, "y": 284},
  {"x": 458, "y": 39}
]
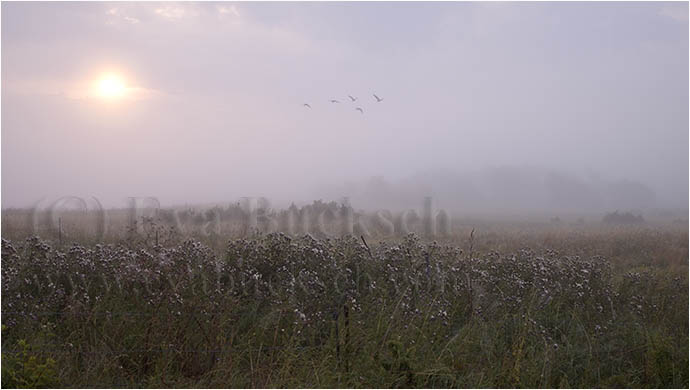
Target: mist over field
[
  {"x": 497, "y": 190},
  {"x": 344, "y": 195},
  {"x": 515, "y": 107}
]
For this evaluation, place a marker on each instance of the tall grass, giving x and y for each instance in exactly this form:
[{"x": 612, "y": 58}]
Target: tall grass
[{"x": 578, "y": 309}]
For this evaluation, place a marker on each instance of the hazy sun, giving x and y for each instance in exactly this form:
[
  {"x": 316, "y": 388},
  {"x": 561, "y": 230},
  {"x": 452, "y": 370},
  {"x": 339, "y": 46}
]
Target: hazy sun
[{"x": 111, "y": 86}]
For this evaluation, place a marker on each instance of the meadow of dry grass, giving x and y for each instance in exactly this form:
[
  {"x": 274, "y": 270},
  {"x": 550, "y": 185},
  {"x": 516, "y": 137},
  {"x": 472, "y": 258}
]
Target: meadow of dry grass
[{"x": 508, "y": 305}]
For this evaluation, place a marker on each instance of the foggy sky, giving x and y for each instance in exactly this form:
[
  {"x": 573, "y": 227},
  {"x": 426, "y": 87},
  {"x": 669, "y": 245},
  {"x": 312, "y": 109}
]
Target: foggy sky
[{"x": 587, "y": 89}]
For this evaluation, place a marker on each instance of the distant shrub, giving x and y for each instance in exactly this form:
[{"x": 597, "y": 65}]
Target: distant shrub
[{"x": 617, "y": 218}]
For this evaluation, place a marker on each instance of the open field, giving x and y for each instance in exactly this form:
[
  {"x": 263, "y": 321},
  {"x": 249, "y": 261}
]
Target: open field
[
  {"x": 344, "y": 194},
  {"x": 505, "y": 306}
]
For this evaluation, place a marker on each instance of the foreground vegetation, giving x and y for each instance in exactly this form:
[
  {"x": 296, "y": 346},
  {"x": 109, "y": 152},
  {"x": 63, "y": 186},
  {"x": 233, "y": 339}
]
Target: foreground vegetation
[{"x": 578, "y": 309}]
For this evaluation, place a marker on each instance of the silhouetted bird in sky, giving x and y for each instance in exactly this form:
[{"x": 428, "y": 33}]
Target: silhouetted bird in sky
[
  {"x": 360, "y": 109},
  {"x": 352, "y": 98},
  {"x": 378, "y": 99},
  {"x": 334, "y": 101},
  {"x": 307, "y": 105}
]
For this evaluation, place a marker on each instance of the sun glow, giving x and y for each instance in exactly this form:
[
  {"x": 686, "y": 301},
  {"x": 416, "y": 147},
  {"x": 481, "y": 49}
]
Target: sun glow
[{"x": 111, "y": 86}]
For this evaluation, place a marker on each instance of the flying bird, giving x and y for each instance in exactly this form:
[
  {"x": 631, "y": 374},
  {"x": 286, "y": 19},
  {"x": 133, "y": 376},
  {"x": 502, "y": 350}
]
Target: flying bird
[
  {"x": 360, "y": 109},
  {"x": 352, "y": 98},
  {"x": 307, "y": 105},
  {"x": 378, "y": 99},
  {"x": 334, "y": 101}
]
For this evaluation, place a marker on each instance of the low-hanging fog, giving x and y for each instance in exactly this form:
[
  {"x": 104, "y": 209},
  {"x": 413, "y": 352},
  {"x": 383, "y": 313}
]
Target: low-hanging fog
[{"x": 491, "y": 106}]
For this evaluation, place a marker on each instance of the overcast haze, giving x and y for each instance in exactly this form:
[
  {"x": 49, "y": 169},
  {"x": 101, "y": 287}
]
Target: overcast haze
[{"x": 554, "y": 94}]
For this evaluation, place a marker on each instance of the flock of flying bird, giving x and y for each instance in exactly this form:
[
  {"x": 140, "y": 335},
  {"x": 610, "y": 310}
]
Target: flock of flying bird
[{"x": 353, "y": 99}]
